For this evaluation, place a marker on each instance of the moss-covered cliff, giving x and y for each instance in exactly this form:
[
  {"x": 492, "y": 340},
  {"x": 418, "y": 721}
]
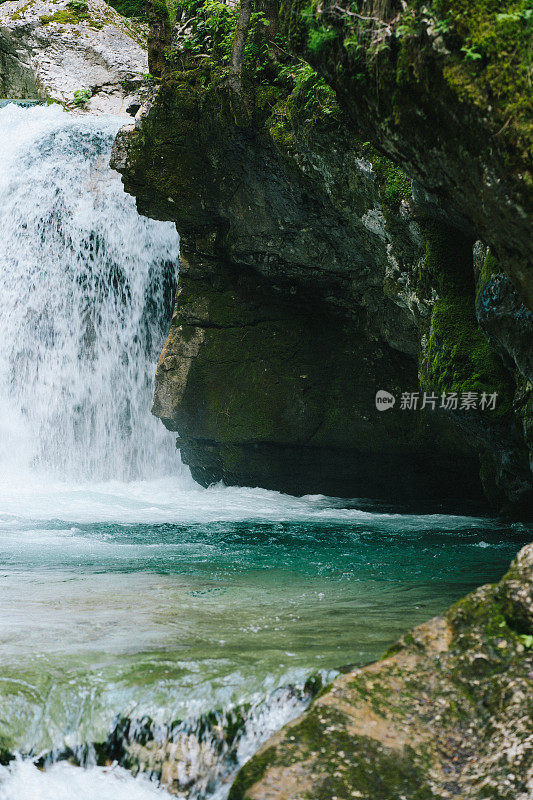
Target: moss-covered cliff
[
  {"x": 444, "y": 87},
  {"x": 312, "y": 276},
  {"x": 446, "y": 714}
]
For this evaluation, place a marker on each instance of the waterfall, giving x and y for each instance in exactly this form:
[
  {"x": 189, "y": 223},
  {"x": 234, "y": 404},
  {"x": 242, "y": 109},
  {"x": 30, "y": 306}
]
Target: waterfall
[{"x": 86, "y": 286}]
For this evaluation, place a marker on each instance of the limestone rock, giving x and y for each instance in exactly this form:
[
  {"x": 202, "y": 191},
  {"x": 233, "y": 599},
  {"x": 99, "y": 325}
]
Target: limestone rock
[{"x": 55, "y": 48}]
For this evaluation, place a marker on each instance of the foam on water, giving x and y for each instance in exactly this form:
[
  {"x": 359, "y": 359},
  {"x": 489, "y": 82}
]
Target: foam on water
[
  {"x": 178, "y": 499},
  {"x": 21, "y": 780}
]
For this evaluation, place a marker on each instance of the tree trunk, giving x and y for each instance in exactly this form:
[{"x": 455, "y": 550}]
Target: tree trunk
[
  {"x": 159, "y": 35},
  {"x": 239, "y": 43}
]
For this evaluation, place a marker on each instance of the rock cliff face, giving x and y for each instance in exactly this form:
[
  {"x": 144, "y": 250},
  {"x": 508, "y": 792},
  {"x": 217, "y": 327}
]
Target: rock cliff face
[
  {"x": 79, "y": 52},
  {"x": 282, "y": 332},
  {"x": 445, "y": 89},
  {"x": 312, "y": 276},
  {"x": 447, "y": 714}
]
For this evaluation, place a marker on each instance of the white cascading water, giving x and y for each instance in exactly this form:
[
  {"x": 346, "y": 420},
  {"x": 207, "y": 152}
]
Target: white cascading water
[{"x": 85, "y": 284}]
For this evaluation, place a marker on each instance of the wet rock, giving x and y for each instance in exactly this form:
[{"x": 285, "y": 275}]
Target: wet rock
[
  {"x": 507, "y": 321},
  {"x": 197, "y": 755}
]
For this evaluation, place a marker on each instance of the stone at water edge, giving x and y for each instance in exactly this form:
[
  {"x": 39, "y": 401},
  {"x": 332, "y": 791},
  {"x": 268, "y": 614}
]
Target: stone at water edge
[
  {"x": 448, "y": 714},
  {"x": 54, "y": 49}
]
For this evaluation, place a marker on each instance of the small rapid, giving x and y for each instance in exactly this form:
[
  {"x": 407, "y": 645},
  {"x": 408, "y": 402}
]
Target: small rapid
[{"x": 22, "y": 780}]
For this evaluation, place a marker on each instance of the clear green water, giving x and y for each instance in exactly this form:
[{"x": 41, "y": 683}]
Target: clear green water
[{"x": 172, "y": 619}]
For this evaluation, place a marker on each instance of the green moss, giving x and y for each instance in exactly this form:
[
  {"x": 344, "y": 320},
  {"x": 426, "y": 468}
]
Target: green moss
[
  {"x": 489, "y": 268},
  {"x": 252, "y": 772},
  {"x": 407, "y": 640},
  {"x": 341, "y": 762},
  {"x": 75, "y": 12},
  {"x": 459, "y": 357},
  {"x": 484, "y": 625},
  {"x": 475, "y": 612},
  {"x": 499, "y": 33},
  {"x": 394, "y": 183}
]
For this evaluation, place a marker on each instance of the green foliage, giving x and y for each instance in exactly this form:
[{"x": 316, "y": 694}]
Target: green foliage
[
  {"x": 129, "y": 8},
  {"x": 206, "y": 29},
  {"x": 320, "y": 37},
  {"x": 82, "y": 97},
  {"x": 471, "y": 53},
  {"x": 410, "y": 26},
  {"x": 441, "y": 26},
  {"x": 210, "y": 30},
  {"x": 526, "y": 14},
  {"x": 147, "y": 77},
  {"x": 316, "y": 34}
]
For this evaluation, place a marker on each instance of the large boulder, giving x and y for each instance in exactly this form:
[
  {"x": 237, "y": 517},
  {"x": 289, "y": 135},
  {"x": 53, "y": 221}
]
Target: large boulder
[
  {"x": 283, "y": 332},
  {"x": 312, "y": 274},
  {"x": 72, "y": 51}
]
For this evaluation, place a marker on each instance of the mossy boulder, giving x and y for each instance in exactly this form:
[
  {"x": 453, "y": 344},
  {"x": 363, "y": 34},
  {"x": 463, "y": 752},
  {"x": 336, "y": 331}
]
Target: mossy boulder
[
  {"x": 275, "y": 391},
  {"x": 70, "y": 49},
  {"x": 447, "y": 713}
]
